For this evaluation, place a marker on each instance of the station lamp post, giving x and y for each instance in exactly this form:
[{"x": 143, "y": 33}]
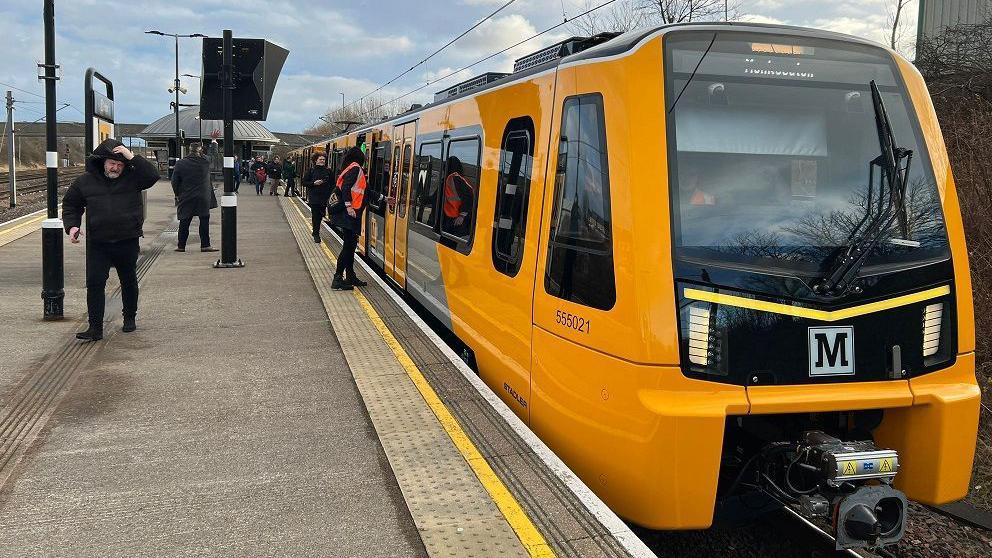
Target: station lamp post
[{"x": 176, "y": 87}]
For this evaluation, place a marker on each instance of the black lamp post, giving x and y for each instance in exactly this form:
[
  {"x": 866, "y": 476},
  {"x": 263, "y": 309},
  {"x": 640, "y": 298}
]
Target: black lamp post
[{"x": 176, "y": 87}]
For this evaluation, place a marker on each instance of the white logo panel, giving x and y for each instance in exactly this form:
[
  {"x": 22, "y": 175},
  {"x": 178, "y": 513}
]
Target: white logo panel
[{"x": 831, "y": 351}]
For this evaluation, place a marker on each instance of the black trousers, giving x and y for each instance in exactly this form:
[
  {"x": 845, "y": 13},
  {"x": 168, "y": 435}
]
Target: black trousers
[
  {"x": 290, "y": 187},
  {"x": 100, "y": 257},
  {"x": 346, "y": 259},
  {"x": 204, "y": 231},
  {"x": 318, "y": 208}
]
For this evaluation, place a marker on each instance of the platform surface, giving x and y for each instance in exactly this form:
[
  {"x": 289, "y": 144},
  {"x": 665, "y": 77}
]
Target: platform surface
[{"x": 257, "y": 412}]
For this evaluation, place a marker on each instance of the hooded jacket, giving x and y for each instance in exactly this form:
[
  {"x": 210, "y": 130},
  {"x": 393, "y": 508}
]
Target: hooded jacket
[
  {"x": 192, "y": 187},
  {"x": 114, "y": 206}
]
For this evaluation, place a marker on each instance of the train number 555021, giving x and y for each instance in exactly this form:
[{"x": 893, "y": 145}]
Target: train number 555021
[{"x": 578, "y": 323}]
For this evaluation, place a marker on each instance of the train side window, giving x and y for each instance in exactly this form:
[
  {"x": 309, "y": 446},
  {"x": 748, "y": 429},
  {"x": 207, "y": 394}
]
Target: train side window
[
  {"x": 460, "y": 190},
  {"x": 405, "y": 184},
  {"x": 580, "y": 247},
  {"x": 512, "y": 192},
  {"x": 394, "y": 182},
  {"x": 427, "y": 181},
  {"x": 378, "y": 175}
]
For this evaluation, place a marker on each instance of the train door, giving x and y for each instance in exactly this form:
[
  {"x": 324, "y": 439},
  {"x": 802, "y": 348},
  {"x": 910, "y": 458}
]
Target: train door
[
  {"x": 378, "y": 179},
  {"x": 397, "y": 213}
]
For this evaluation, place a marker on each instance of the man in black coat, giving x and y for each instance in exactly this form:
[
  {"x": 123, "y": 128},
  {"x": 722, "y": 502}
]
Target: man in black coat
[
  {"x": 318, "y": 183},
  {"x": 194, "y": 196},
  {"x": 274, "y": 172},
  {"x": 110, "y": 193}
]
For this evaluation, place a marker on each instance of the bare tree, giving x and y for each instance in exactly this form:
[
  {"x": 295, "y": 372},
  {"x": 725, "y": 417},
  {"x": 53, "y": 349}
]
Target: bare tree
[
  {"x": 619, "y": 17},
  {"x": 365, "y": 111},
  {"x": 898, "y": 29},
  {"x": 684, "y": 11}
]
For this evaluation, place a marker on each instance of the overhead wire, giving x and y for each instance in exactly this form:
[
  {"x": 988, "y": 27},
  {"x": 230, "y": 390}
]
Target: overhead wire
[
  {"x": 493, "y": 55},
  {"x": 431, "y": 55}
]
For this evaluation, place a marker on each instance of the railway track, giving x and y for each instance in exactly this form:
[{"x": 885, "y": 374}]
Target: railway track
[{"x": 31, "y": 181}]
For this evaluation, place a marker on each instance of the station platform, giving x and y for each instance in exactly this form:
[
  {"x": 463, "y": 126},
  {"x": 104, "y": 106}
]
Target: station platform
[{"x": 257, "y": 412}]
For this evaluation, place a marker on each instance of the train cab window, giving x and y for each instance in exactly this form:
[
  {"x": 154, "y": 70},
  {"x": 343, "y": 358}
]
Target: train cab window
[
  {"x": 580, "y": 247},
  {"x": 405, "y": 184},
  {"x": 427, "y": 181},
  {"x": 460, "y": 189},
  {"x": 509, "y": 226}
]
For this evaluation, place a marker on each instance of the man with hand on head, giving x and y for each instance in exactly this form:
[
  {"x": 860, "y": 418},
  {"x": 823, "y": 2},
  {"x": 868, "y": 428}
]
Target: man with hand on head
[{"x": 110, "y": 193}]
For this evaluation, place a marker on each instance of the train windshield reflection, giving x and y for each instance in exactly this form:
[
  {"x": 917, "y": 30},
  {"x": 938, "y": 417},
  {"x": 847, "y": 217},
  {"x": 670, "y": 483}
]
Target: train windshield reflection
[{"x": 772, "y": 146}]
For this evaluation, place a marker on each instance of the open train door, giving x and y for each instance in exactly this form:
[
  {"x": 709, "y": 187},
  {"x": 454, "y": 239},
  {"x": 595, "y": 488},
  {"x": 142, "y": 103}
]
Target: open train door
[{"x": 397, "y": 214}]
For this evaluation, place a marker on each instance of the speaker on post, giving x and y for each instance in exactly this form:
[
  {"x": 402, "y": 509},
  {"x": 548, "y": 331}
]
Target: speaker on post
[{"x": 257, "y": 64}]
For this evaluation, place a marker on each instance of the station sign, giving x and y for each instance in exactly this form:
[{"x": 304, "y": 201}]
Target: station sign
[{"x": 99, "y": 111}]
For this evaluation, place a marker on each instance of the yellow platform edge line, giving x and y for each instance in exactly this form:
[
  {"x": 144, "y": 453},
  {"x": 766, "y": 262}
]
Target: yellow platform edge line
[
  {"x": 529, "y": 536},
  {"x": 11, "y": 231},
  {"x": 813, "y": 314}
]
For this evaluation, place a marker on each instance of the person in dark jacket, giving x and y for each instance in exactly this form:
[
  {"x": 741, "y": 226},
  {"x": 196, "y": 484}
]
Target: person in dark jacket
[
  {"x": 289, "y": 175},
  {"x": 318, "y": 182},
  {"x": 237, "y": 173},
  {"x": 258, "y": 164},
  {"x": 194, "y": 196},
  {"x": 109, "y": 192},
  {"x": 351, "y": 185},
  {"x": 273, "y": 171}
]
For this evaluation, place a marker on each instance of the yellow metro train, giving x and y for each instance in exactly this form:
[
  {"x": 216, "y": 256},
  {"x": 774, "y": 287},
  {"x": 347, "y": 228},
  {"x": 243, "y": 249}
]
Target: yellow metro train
[{"x": 699, "y": 260}]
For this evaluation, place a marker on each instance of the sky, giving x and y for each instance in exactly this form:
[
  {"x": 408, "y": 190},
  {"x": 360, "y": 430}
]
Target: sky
[{"x": 335, "y": 46}]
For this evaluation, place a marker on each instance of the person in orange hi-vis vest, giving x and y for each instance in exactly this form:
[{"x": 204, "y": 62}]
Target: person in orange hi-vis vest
[
  {"x": 459, "y": 200},
  {"x": 347, "y": 203}
]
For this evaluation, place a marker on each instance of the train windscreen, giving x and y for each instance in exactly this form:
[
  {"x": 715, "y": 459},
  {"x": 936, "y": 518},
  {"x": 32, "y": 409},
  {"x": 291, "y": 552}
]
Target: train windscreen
[{"x": 771, "y": 144}]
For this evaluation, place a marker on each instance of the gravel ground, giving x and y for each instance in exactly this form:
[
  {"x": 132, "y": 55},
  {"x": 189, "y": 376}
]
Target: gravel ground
[
  {"x": 26, "y": 203},
  {"x": 929, "y": 534}
]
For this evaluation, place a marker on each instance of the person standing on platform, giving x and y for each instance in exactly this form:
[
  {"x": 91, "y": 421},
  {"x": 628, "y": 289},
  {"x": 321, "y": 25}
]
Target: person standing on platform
[
  {"x": 346, "y": 215},
  {"x": 110, "y": 193},
  {"x": 274, "y": 172},
  {"x": 194, "y": 196},
  {"x": 258, "y": 178},
  {"x": 318, "y": 184},
  {"x": 289, "y": 175},
  {"x": 237, "y": 173}
]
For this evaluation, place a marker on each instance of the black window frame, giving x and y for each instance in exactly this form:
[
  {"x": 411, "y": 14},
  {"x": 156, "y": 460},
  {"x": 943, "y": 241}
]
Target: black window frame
[
  {"x": 416, "y": 196},
  {"x": 446, "y": 238},
  {"x": 405, "y": 182},
  {"x": 509, "y": 264},
  {"x": 378, "y": 176},
  {"x": 572, "y": 247}
]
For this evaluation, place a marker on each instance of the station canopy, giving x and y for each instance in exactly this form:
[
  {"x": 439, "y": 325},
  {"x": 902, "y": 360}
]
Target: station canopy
[{"x": 189, "y": 121}]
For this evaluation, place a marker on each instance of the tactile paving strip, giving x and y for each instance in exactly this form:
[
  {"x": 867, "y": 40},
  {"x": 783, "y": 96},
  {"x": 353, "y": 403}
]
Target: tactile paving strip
[
  {"x": 452, "y": 510},
  {"x": 28, "y": 409},
  {"x": 567, "y": 525}
]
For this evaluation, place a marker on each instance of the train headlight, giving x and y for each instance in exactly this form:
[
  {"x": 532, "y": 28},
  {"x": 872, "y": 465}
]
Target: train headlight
[{"x": 932, "y": 317}]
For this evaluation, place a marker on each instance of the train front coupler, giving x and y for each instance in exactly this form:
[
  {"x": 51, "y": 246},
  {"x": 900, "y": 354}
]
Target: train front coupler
[{"x": 848, "y": 484}]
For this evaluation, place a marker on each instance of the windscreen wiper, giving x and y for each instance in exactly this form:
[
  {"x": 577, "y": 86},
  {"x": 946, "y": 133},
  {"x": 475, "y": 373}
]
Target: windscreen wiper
[{"x": 893, "y": 164}]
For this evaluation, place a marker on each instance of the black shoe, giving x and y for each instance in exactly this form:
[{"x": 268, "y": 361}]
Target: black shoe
[
  {"x": 208, "y": 249},
  {"x": 339, "y": 284},
  {"x": 316, "y": 238},
  {"x": 180, "y": 249},
  {"x": 129, "y": 324},
  {"x": 91, "y": 334},
  {"x": 356, "y": 282}
]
